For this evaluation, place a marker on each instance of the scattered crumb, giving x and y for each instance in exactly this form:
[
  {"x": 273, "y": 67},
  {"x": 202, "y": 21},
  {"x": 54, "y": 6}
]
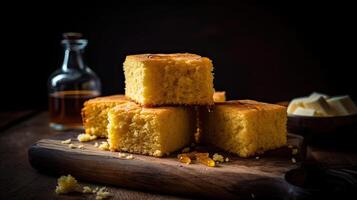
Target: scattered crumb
[
  {"x": 104, "y": 146},
  {"x": 66, "y": 184},
  {"x": 294, "y": 151},
  {"x": 66, "y": 141},
  {"x": 95, "y": 190},
  {"x": 217, "y": 157},
  {"x": 103, "y": 194},
  {"x": 86, "y": 137},
  {"x": 126, "y": 156},
  {"x": 293, "y": 160},
  {"x": 257, "y": 157},
  {"x": 227, "y": 159},
  {"x": 96, "y": 144},
  {"x": 122, "y": 155},
  {"x": 157, "y": 153},
  {"x": 87, "y": 189},
  {"x": 72, "y": 146},
  {"x": 185, "y": 150},
  {"x": 290, "y": 146},
  {"x": 252, "y": 195}
]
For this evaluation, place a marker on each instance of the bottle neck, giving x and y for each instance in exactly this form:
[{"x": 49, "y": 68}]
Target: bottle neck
[{"x": 73, "y": 60}]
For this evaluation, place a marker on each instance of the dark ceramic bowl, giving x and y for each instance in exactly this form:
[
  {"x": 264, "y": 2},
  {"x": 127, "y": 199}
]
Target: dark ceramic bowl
[{"x": 331, "y": 131}]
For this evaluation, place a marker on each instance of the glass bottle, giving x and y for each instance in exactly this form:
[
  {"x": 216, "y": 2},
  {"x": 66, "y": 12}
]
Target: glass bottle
[{"x": 71, "y": 85}]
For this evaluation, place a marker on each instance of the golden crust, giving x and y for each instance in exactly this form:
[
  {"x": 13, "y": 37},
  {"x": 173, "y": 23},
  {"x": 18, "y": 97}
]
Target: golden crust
[
  {"x": 164, "y": 57},
  {"x": 250, "y": 105}
]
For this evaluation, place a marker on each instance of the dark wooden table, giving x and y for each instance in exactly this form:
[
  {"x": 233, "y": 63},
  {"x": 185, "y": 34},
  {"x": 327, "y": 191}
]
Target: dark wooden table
[
  {"x": 19, "y": 130},
  {"x": 18, "y": 180}
]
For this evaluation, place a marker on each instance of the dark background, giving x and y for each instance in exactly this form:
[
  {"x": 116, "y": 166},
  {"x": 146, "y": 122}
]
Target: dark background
[{"x": 268, "y": 51}]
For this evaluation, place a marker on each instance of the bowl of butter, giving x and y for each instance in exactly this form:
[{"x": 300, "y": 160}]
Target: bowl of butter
[{"x": 323, "y": 119}]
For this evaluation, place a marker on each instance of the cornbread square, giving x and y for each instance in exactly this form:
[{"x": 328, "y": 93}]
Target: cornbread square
[
  {"x": 245, "y": 127},
  {"x": 219, "y": 96},
  {"x": 95, "y": 113},
  {"x": 169, "y": 79},
  {"x": 150, "y": 131}
]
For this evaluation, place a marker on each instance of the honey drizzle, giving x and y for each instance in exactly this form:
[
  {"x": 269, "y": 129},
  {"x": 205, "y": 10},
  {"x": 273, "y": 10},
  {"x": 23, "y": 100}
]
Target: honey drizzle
[{"x": 202, "y": 158}]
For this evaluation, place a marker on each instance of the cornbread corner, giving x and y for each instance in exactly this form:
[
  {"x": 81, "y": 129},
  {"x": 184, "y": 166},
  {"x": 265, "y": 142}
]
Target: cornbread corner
[
  {"x": 244, "y": 127},
  {"x": 169, "y": 79},
  {"x": 219, "y": 96},
  {"x": 150, "y": 131},
  {"x": 95, "y": 113}
]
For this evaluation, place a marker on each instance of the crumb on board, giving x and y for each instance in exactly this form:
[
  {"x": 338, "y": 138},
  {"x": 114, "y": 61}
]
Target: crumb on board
[
  {"x": 257, "y": 157},
  {"x": 218, "y": 158},
  {"x": 86, "y": 137},
  {"x": 227, "y": 159},
  {"x": 290, "y": 146},
  {"x": 157, "y": 153},
  {"x": 73, "y": 146},
  {"x": 68, "y": 141},
  {"x": 96, "y": 144},
  {"x": 104, "y": 146},
  {"x": 125, "y": 156}
]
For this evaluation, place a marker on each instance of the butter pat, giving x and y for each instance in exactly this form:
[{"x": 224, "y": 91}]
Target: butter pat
[
  {"x": 319, "y": 104},
  {"x": 305, "y": 111},
  {"x": 342, "y": 105},
  {"x": 317, "y": 94},
  {"x": 296, "y": 103}
]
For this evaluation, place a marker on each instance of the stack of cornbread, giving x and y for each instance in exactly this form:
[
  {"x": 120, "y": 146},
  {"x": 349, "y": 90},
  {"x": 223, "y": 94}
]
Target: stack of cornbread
[{"x": 168, "y": 97}]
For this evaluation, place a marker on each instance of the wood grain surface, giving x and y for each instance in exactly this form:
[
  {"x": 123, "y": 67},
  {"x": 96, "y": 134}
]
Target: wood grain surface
[{"x": 239, "y": 178}]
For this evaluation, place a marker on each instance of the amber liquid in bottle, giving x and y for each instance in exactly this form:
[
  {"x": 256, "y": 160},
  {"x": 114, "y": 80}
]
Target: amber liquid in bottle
[
  {"x": 71, "y": 85},
  {"x": 65, "y": 107}
]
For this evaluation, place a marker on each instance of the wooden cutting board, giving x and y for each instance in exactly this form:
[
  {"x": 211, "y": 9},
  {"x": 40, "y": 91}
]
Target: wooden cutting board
[{"x": 243, "y": 178}]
